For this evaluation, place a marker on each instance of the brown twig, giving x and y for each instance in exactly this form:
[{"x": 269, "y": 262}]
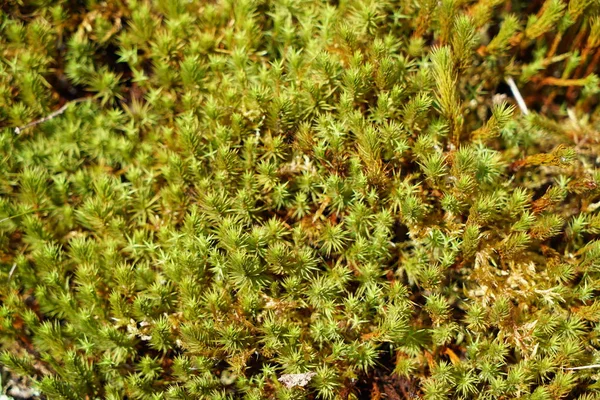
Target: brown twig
[{"x": 593, "y": 64}]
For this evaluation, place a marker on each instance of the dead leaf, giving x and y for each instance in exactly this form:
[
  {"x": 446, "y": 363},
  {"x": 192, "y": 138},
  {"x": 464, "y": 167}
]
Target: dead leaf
[
  {"x": 291, "y": 380},
  {"x": 453, "y": 357}
]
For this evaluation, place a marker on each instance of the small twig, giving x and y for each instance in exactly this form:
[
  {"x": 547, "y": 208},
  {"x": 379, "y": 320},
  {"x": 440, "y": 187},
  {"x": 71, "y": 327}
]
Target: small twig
[
  {"x": 515, "y": 91},
  {"x": 583, "y": 367},
  {"x": 12, "y": 271},
  {"x": 61, "y": 110}
]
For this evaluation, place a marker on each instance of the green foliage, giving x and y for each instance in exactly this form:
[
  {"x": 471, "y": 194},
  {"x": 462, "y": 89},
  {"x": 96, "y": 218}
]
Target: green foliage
[{"x": 200, "y": 198}]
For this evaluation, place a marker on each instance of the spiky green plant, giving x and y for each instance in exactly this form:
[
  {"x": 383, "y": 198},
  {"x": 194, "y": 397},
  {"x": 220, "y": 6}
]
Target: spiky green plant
[{"x": 369, "y": 198}]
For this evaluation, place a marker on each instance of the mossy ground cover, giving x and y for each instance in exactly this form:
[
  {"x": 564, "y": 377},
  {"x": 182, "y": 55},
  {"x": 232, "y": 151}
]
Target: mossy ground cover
[{"x": 200, "y": 199}]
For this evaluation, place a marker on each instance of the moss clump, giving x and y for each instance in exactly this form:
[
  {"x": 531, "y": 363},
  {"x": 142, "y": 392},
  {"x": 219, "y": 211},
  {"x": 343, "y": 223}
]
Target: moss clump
[{"x": 204, "y": 198}]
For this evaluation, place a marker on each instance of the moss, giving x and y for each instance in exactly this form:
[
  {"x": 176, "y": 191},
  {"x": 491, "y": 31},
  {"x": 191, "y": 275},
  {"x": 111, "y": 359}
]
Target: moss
[{"x": 272, "y": 199}]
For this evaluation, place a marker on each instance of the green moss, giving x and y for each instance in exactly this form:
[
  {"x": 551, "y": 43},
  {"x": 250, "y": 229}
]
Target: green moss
[{"x": 200, "y": 199}]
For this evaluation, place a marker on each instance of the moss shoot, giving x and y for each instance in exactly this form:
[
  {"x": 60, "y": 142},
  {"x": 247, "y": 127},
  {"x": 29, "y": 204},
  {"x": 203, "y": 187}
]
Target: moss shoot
[{"x": 300, "y": 199}]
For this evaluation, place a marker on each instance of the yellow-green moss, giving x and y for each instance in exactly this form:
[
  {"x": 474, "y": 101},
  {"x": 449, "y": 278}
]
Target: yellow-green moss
[{"x": 198, "y": 198}]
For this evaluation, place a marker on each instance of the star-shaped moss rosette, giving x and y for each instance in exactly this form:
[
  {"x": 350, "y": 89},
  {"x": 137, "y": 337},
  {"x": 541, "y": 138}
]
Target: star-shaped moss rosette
[{"x": 300, "y": 199}]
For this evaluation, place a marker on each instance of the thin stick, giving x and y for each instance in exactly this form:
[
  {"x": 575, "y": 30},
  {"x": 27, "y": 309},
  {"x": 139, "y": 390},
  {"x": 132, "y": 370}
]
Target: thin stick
[
  {"x": 583, "y": 367},
  {"x": 515, "y": 91},
  {"x": 12, "y": 271},
  {"x": 61, "y": 110}
]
